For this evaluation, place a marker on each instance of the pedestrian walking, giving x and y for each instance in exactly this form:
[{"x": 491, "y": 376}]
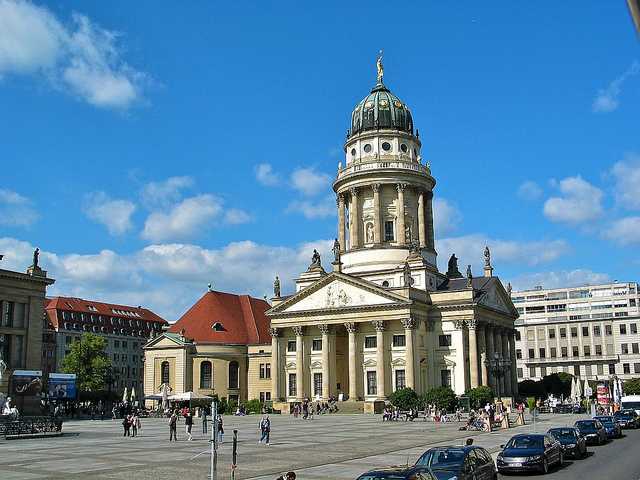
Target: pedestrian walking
[
  {"x": 204, "y": 420},
  {"x": 188, "y": 424},
  {"x": 265, "y": 429},
  {"x": 173, "y": 426},
  {"x": 135, "y": 424},
  {"x": 220, "y": 429}
]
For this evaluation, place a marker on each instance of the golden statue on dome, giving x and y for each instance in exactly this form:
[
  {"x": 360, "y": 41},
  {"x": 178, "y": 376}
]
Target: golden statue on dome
[{"x": 380, "y": 67}]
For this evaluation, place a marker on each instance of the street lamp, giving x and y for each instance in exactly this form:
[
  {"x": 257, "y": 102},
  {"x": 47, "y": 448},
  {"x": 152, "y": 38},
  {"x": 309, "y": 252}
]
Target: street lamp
[{"x": 497, "y": 367}]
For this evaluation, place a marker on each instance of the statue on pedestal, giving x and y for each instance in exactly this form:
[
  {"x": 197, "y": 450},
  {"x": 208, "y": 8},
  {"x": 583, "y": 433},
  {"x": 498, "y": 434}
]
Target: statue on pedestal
[
  {"x": 336, "y": 251},
  {"x": 315, "y": 259},
  {"x": 452, "y": 271},
  {"x": 36, "y": 257},
  {"x": 276, "y": 287}
]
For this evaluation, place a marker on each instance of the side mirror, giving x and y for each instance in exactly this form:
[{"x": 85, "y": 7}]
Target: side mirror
[{"x": 502, "y": 446}]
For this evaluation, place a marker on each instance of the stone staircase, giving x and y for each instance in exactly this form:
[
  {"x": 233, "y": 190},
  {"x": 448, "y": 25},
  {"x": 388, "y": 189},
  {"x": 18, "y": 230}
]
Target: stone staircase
[{"x": 351, "y": 407}]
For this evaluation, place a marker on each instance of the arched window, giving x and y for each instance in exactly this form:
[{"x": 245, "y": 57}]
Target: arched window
[
  {"x": 164, "y": 370},
  {"x": 233, "y": 374},
  {"x": 206, "y": 375}
]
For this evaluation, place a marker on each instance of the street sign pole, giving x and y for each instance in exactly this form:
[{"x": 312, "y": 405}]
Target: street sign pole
[
  {"x": 234, "y": 455},
  {"x": 214, "y": 438}
]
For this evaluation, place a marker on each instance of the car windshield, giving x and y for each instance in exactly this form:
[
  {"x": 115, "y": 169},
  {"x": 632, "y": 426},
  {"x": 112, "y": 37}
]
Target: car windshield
[
  {"x": 634, "y": 405},
  {"x": 563, "y": 433},
  {"x": 442, "y": 458},
  {"x": 605, "y": 420},
  {"x": 525, "y": 442},
  {"x": 586, "y": 426}
]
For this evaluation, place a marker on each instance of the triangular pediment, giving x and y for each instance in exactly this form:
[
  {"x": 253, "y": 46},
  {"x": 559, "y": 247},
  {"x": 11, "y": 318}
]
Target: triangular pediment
[
  {"x": 339, "y": 291},
  {"x": 496, "y": 297},
  {"x": 164, "y": 341}
]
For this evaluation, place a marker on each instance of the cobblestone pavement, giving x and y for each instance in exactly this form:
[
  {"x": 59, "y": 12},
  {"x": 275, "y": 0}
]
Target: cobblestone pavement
[{"x": 328, "y": 447}]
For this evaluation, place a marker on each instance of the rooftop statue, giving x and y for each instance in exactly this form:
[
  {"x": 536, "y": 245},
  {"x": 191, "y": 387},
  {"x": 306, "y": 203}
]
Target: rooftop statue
[
  {"x": 487, "y": 257},
  {"x": 36, "y": 256},
  {"x": 315, "y": 259},
  {"x": 452, "y": 271},
  {"x": 380, "y": 67},
  {"x": 276, "y": 287}
]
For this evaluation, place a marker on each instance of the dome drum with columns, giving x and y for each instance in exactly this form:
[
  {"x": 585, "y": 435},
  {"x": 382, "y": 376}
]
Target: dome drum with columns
[{"x": 386, "y": 317}]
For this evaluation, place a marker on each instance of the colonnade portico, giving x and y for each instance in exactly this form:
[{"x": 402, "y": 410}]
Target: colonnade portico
[
  {"x": 355, "y": 377},
  {"x": 349, "y": 199},
  {"x": 489, "y": 343}
]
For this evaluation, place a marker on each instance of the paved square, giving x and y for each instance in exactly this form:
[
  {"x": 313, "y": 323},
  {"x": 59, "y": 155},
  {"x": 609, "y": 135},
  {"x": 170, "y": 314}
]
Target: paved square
[{"x": 330, "y": 446}]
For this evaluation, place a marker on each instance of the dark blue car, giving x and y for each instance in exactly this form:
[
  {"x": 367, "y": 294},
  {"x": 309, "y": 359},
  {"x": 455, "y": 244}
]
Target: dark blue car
[
  {"x": 398, "y": 473},
  {"x": 530, "y": 452},
  {"x": 611, "y": 425},
  {"x": 460, "y": 462}
]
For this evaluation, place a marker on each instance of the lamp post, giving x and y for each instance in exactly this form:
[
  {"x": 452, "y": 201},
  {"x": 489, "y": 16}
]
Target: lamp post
[{"x": 497, "y": 368}]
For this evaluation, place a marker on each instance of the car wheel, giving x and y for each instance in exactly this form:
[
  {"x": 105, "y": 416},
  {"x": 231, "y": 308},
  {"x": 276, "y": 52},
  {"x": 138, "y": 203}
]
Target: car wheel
[{"x": 545, "y": 466}]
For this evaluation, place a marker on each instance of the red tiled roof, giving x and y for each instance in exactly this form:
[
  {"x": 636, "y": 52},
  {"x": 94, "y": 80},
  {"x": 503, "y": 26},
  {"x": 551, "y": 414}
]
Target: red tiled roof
[
  {"x": 242, "y": 320},
  {"x": 80, "y": 305}
]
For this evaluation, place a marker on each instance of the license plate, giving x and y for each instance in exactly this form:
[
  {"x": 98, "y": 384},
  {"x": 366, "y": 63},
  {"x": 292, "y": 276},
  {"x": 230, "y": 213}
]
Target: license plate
[{"x": 516, "y": 464}]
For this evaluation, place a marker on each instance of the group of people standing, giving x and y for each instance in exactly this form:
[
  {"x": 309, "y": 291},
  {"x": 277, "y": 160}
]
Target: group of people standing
[
  {"x": 131, "y": 425},
  {"x": 187, "y": 414},
  {"x": 306, "y": 409}
]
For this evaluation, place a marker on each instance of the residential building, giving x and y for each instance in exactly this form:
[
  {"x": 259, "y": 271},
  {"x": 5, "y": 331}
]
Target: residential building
[
  {"x": 589, "y": 331},
  {"x": 125, "y": 328}
]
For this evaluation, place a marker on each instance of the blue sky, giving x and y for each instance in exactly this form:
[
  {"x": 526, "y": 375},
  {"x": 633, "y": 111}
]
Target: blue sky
[{"x": 149, "y": 150}]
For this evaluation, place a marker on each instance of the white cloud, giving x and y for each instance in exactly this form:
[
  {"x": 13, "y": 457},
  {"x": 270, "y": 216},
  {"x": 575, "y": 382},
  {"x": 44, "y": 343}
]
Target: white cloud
[
  {"x": 314, "y": 209},
  {"x": 581, "y": 202},
  {"x": 562, "y": 278},
  {"x": 608, "y": 99},
  {"x": 168, "y": 278},
  {"x": 266, "y": 176},
  {"x": 113, "y": 214},
  {"x": 184, "y": 220},
  {"x": 446, "y": 216},
  {"x": 235, "y": 216},
  {"x": 166, "y": 192},
  {"x": 625, "y": 231},
  {"x": 529, "y": 190},
  {"x": 627, "y": 177},
  {"x": 309, "y": 181},
  {"x": 16, "y": 210},
  {"x": 469, "y": 249},
  {"x": 82, "y": 59}
]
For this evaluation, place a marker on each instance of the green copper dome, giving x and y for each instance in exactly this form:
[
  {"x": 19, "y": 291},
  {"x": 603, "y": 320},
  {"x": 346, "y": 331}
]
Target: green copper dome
[{"x": 379, "y": 110}]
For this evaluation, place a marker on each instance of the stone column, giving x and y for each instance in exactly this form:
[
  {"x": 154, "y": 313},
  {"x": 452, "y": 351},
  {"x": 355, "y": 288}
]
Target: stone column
[
  {"x": 299, "y": 331},
  {"x": 326, "y": 371},
  {"x": 489, "y": 335},
  {"x": 341, "y": 233},
  {"x": 428, "y": 212},
  {"x": 482, "y": 346},
  {"x": 353, "y": 361},
  {"x": 354, "y": 219},
  {"x": 497, "y": 342},
  {"x": 473, "y": 354},
  {"x": 409, "y": 325},
  {"x": 421, "y": 226},
  {"x": 512, "y": 354},
  {"x": 275, "y": 365},
  {"x": 400, "y": 235},
  {"x": 377, "y": 215},
  {"x": 380, "y": 370},
  {"x": 506, "y": 358}
]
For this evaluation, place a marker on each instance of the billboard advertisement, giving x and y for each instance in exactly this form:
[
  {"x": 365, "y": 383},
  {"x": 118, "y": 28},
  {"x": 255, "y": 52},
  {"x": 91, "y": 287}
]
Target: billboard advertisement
[
  {"x": 62, "y": 386},
  {"x": 26, "y": 382},
  {"x": 602, "y": 392}
]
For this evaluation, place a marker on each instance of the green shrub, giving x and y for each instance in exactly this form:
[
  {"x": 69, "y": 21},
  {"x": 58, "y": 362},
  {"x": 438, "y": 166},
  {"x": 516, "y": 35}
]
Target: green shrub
[
  {"x": 441, "y": 397},
  {"x": 254, "y": 406},
  {"x": 531, "y": 402},
  {"x": 479, "y": 396},
  {"x": 404, "y": 399}
]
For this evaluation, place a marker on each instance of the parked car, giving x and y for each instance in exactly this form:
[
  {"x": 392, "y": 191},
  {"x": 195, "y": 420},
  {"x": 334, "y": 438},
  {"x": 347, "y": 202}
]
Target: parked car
[
  {"x": 611, "y": 425},
  {"x": 572, "y": 442},
  {"x": 592, "y": 430},
  {"x": 627, "y": 418},
  {"x": 462, "y": 463},
  {"x": 398, "y": 473},
  {"x": 530, "y": 452}
]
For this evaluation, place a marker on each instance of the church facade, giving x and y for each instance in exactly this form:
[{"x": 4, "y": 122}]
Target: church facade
[{"x": 383, "y": 316}]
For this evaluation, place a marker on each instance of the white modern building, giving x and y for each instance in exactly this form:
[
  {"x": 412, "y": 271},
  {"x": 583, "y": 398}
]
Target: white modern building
[{"x": 590, "y": 331}]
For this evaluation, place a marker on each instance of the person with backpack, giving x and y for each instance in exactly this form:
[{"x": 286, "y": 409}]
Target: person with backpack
[{"x": 265, "y": 429}]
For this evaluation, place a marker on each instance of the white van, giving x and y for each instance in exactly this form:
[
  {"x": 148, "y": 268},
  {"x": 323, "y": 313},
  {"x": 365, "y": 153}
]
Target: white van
[{"x": 631, "y": 402}]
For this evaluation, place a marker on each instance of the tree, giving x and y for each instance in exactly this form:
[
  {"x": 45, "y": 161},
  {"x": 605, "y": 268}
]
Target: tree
[
  {"x": 632, "y": 387},
  {"x": 441, "y": 397},
  {"x": 404, "y": 398},
  {"x": 88, "y": 360},
  {"x": 557, "y": 385},
  {"x": 529, "y": 388},
  {"x": 479, "y": 396}
]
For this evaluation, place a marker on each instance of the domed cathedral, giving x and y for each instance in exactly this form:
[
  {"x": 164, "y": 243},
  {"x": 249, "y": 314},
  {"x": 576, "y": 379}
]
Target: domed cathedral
[{"x": 384, "y": 317}]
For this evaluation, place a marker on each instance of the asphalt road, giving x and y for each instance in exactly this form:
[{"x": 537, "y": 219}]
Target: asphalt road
[{"x": 617, "y": 460}]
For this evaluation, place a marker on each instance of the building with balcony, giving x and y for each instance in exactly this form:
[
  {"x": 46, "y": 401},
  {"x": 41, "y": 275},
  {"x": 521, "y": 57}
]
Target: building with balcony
[
  {"x": 588, "y": 331},
  {"x": 125, "y": 328}
]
